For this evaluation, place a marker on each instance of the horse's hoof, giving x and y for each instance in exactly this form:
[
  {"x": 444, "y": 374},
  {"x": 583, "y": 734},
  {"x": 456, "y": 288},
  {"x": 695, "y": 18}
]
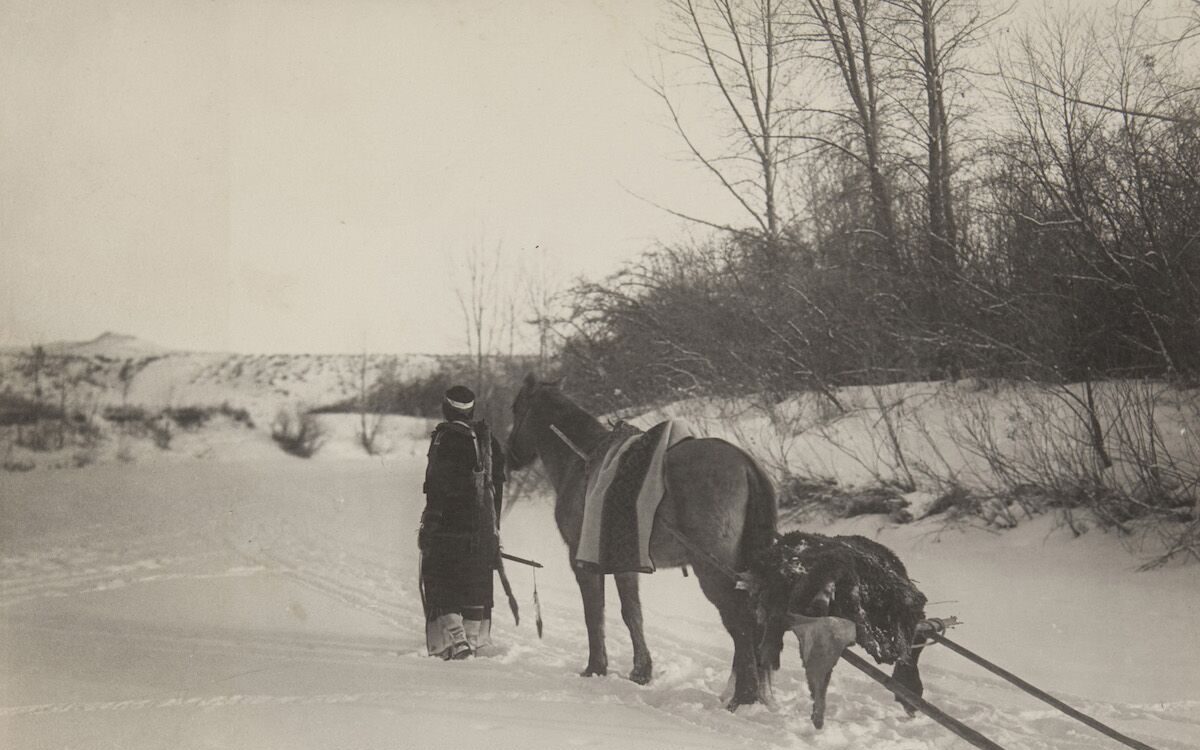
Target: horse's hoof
[
  {"x": 818, "y": 714},
  {"x": 738, "y": 701},
  {"x": 594, "y": 672},
  {"x": 641, "y": 675}
]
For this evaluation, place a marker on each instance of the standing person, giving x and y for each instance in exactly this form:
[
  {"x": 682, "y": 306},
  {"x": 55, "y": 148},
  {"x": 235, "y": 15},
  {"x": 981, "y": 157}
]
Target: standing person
[{"x": 460, "y": 527}]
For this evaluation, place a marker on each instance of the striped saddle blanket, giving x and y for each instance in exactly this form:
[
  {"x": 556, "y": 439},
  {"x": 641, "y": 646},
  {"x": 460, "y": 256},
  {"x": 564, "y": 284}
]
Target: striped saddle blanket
[{"x": 625, "y": 484}]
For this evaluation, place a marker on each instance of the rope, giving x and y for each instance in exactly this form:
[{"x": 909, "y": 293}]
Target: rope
[
  {"x": 701, "y": 553},
  {"x": 1041, "y": 694},
  {"x": 930, "y": 710}
]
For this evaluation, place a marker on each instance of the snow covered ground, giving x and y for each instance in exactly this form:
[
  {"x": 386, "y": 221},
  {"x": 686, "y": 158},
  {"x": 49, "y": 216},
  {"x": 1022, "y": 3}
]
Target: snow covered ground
[{"x": 249, "y": 599}]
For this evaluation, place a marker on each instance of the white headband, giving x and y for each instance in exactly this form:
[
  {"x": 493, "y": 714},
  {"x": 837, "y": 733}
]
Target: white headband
[{"x": 460, "y": 405}]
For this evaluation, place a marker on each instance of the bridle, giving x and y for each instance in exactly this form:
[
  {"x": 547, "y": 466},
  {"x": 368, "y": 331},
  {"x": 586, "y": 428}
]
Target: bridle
[{"x": 518, "y": 425}]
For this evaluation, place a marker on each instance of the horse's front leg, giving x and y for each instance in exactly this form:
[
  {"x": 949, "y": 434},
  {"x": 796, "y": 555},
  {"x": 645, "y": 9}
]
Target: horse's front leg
[
  {"x": 631, "y": 612},
  {"x": 591, "y": 587},
  {"x": 909, "y": 675}
]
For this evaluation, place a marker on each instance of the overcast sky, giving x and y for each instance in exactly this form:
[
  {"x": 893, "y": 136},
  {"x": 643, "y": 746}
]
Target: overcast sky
[{"x": 292, "y": 175}]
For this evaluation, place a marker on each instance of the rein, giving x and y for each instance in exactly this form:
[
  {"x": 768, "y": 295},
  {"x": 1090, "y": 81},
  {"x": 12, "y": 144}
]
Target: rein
[
  {"x": 574, "y": 448},
  {"x": 517, "y": 426}
]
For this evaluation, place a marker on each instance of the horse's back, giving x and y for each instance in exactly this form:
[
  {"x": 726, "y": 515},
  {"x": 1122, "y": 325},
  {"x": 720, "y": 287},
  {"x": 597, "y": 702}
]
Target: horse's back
[
  {"x": 702, "y": 469},
  {"x": 715, "y": 494}
]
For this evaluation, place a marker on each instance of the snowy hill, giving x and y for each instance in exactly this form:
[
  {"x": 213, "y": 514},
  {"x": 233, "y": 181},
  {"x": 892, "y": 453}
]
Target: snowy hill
[
  {"x": 108, "y": 344},
  {"x": 117, "y": 369}
]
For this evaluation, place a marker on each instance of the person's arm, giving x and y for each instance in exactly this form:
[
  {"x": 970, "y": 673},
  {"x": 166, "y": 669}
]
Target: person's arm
[{"x": 431, "y": 516}]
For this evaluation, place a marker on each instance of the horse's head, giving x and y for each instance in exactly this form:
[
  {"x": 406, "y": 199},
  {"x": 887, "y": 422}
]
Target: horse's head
[{"x": 521, "y": 447}]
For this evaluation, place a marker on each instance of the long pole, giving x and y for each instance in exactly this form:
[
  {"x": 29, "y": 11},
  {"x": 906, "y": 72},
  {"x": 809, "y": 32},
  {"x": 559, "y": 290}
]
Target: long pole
[
  {"x": 1041, "y": 694},
  {"x": 523, "y": 561},
  {"x": 512, "y": 600},
  {"x": 930, "y": 710}
]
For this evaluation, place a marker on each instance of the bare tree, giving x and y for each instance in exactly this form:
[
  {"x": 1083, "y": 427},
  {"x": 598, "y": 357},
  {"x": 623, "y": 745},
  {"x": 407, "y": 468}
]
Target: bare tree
[
  {"x": 1192, "y": 28},
  {"x": 480, "y": 297},
  {"x": 370, "y": 400},
  {"x": 34, "y": 366},
  {"x": 1108, "y": 143},
  {"x": 927, "y": 40},
  {"x": 543, "y": 286},
  {"x": 743, "y": 54},
  {"x": 491, "y": 312},
  {"x": 844, "y": 33}
]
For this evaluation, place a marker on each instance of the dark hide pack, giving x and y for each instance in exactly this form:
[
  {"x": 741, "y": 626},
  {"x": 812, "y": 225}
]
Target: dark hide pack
[{"x": 843, "y": 576}]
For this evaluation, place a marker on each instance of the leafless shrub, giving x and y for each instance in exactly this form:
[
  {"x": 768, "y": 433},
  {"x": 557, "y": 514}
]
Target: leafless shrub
[
  {"x": 370, "y": 420},
  {"x": 772, "y": 427},
  {"x": 189, "y": 417},
  {"x": 801, "y": 498},
  {"x": 883, "y": 422},
  {"x": 160, "y": 430},
  {"x": 956, "y": 502},
  {"x": 298, "y": 432},
  {"x": 18, "y": 465},
  {"x": 1040, "y": 452},
  {"x": 83, "y": 457},
  {"x": 890, "y": 419},
  {"x": 14, "y": 464}
]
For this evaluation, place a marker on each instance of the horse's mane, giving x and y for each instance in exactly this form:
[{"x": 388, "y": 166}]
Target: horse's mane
[{"x": 569, "y": 416}]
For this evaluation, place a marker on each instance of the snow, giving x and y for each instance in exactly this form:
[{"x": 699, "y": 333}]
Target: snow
[
  {"x": 226, "y": 595},
  {"x": 222, "y": 594}
]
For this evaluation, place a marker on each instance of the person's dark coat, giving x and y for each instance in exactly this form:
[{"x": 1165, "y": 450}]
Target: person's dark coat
[{"x": 459, "y": 527}]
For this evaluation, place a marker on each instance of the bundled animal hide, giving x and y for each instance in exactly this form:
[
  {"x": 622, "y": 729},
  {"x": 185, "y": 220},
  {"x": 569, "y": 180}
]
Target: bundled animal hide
[{"x": 851, "y": 577}]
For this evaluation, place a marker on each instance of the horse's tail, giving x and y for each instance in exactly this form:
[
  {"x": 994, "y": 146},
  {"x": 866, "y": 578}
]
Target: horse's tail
[
  {"x": 759, "y": 532},
  {"x": 762, "y": 514}
]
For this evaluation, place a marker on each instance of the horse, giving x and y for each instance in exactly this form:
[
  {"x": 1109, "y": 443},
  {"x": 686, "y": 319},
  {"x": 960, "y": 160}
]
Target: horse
[{"x": 717, "y": 498}]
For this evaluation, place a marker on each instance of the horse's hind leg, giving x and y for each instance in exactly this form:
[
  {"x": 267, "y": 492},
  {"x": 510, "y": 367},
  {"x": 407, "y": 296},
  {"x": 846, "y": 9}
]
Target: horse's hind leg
[
  {"x": 591, "y": 587},
  {"x": 631, "y": 612},
  {"x": 739, "y": 621}
]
